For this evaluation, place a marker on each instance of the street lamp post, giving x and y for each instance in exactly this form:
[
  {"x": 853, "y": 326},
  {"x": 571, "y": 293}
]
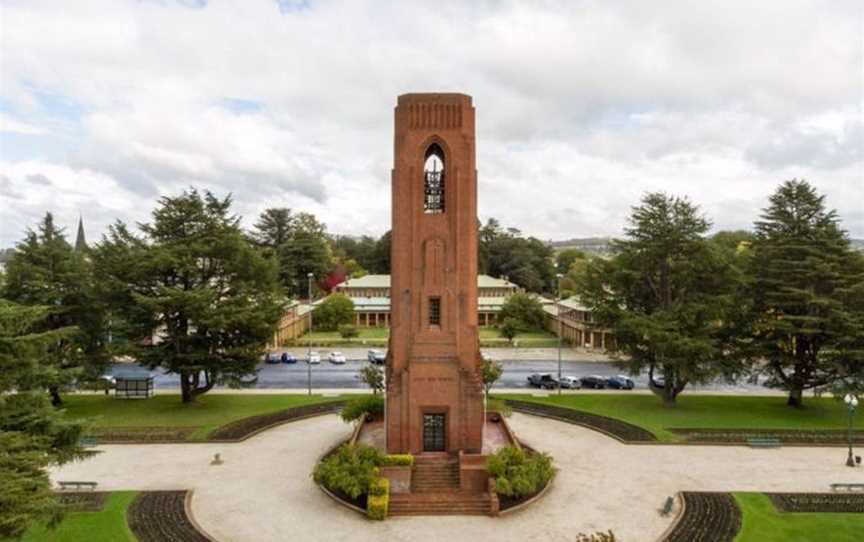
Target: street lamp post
[
  {"x": 308, "y": 343},
  {"x": 558, "y": 315},
  {"x": 852, "y": 403}
]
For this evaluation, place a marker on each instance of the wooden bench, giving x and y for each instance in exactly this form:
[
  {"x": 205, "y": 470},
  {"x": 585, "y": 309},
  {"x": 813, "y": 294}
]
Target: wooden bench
[
  {"x": 764, "y": 442},
  {"x": 847, "y": 487},
  {"x": 78, "y": 485},
  {"x": 667, "y": 506}
]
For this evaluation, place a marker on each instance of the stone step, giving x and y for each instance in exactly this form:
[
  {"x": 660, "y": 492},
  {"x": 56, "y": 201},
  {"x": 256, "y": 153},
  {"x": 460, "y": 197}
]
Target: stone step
[{"x": 443, "y": 503}]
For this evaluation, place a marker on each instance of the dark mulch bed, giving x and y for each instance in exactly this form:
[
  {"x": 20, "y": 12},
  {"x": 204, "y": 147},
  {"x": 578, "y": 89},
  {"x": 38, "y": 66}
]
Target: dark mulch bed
[
  {"x": 157, "y": 516},
  {"x": 789, "y": 436},
  {"x": 622, "y": 430},
  {"x": 83, "y": 501},
  {"x": 708, "y": 517},
  {"x": 818, "y": 502},
  {"x": 241, "y": 429},
  {"x": 141, "y": 434}
]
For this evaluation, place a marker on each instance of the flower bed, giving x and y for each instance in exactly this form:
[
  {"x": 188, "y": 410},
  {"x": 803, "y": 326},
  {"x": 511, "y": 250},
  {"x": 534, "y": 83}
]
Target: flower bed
[
  {"x": 157, "y": 516},
  {"x": 817, "y": 502},
  {"x": 786, "y": 436},
  {"x": 707, "y": 517},
  {"x": 623, "y": 431},
  {"x": 83, "y": 501},
  {"x": 246, "y": 427}
]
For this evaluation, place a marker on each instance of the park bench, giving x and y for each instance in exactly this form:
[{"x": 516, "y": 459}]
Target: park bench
[
  {"x": 77, "y": 485},
  {"x": 667, "y": 506},
  {"x": 764, "y": 442},
  {"x": 847, "y": 487},
  {"x": 87, "y": 442}
]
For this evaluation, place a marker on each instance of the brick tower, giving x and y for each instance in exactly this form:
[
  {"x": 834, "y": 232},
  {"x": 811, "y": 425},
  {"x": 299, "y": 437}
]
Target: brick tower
[{"x": 434, "y": 388}]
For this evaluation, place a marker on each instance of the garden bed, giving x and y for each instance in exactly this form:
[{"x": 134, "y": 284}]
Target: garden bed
[
  {"x": 141, "y": 434},
  {"x": 785, "y": 436},
  {"x": 157, "y": 516},
  {"x": 818, "y": 502},
  {"x": 83, "y": 501},
  {"x": 706, "y": 517},
  {"x": 623, "y": 431},
  {"x": 246, "y": 427}
]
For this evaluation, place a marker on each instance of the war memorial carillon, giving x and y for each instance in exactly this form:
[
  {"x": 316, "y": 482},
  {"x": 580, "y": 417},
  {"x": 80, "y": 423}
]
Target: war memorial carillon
[{"x": 434, "y": 386}]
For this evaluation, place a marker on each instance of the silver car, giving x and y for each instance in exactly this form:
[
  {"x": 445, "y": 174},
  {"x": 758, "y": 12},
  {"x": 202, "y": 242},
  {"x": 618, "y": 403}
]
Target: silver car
[{"x": 571, "y": 383}]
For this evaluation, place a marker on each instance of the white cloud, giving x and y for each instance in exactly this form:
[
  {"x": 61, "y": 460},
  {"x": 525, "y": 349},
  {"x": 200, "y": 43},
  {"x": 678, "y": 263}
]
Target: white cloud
[
  {"x": 10, "y": 125},
  {"x": 587, "y": 102}
]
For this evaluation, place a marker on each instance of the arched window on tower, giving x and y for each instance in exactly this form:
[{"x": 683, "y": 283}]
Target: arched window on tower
[{"x": 433, "y": 180}]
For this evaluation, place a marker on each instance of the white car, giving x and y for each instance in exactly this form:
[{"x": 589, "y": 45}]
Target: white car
[
  {"x": 313, "y": 358},
  {"x": 571, "y": 382},
  {"x": 336, "y": 357}
]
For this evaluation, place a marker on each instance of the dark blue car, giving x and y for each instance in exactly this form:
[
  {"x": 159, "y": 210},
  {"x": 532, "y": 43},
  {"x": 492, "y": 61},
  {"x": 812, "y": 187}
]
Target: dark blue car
[
  {"x": 288, "y": 358},
  {"x": 620, "y": 382}
]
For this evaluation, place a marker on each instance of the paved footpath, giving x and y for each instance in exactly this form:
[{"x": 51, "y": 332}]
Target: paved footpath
[{"x": 263, "y": 491}]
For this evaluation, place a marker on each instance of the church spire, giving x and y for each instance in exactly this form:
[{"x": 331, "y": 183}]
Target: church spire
[{"x": 80, "y": 241}]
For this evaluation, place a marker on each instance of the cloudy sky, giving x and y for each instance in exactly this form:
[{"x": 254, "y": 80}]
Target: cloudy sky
[{"x": 581, "y": 105}]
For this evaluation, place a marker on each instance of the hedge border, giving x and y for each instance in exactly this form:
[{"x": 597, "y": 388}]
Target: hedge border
[
  {"x": 617, "y": 429},
  {"x": 795, "y": 503},
  {"x": 698, "y": 520}
]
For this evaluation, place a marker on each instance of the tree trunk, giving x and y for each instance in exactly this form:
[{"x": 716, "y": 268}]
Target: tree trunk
[
  {"x": 795, "y": 397},
  {"x": 56, "y": 400},
  {"x": 186, "y": 387}
]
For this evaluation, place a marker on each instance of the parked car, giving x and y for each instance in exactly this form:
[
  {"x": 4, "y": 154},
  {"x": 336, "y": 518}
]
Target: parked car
[
  {"x": 313, "y": 357},
  {"x": 620, "y": 382},
  {"x": 287, "y": 358},
  {"x": 543, "y": 380},
  {"x": 595, "y": 382},
  {"x": 570, "y": 383},
  {"x": 271, "y": 358},
  {"x": 337, "y": 358},
  {"x": 376, "y": 356}
]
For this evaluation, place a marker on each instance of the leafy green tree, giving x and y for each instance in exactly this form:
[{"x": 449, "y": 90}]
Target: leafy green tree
[
  {"x": 335, "y": 310},
  {"x": 33, "y": 435},
  {"x": 45, "y": 270},
  {"x": 525, "y": 310},
  {"x": 491, "y": 371},
  {"x": 565, "y": 259},
  {"x": 372, "y": 376},
  {"x": 208, "y": 298},
  {"x": 667, "y": 295},
  {"x": 806, "y": 288},
  {"x": 509, "y": 328},
  {"x": 527, "y": 262},
  {"x": 274, "y": 227}
]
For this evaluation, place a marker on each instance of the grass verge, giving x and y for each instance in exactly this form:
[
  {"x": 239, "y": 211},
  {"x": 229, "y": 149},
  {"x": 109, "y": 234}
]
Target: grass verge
[
  {"x": 107, "y": 525},
  {"x": 763, "y": 523},
  {"x": 705, "y": 412},
  {"x": 197, "y": 420}
]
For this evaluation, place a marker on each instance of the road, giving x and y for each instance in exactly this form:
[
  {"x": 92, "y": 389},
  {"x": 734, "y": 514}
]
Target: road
[{"x": 328, "y": 376}]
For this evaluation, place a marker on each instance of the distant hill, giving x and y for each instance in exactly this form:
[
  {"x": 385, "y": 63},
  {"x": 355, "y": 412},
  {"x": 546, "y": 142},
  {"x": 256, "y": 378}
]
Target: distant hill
[{"x": 590, "y": 245}]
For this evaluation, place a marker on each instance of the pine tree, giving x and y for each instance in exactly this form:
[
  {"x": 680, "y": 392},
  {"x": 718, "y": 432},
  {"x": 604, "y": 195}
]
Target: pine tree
[
  {"x": 805, "y": 287},
  {"x": 666, "y": 295},
  {"x": 45, "y": 270},
  {"x": 206, "y": 296}
]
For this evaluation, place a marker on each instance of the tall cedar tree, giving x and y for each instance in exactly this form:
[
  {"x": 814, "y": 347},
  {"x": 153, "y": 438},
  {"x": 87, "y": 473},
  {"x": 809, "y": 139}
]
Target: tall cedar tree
[
  {"x": 806, "y": 288},
  {"x": 45, "y": 270},
  {"x": 33, "y": 435},
  {"x": 665, "y": 294},
  {"x": 299, "y": 244},
  {"x": 194, "y": 283}
]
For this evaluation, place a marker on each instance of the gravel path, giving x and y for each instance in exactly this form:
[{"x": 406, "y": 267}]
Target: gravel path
[{"x": 263, "y": 490}]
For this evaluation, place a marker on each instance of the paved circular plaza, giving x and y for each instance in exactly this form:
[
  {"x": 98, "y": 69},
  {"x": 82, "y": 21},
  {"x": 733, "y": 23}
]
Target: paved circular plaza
[{"x": 264, "y": 491}]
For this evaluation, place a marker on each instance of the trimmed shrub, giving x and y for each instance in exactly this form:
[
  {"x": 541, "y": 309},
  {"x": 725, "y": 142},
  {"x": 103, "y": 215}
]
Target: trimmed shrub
[
  {"x": 608, "y": 536},
  {"x": 378, "y": 503},
  {"x": 351, "y": 470},
  {"x": 518, "y": 473},
  {"x": 399, "y": 460},
  {"x": 361, "y": 406},
  {"x": 347, "y": 331}
]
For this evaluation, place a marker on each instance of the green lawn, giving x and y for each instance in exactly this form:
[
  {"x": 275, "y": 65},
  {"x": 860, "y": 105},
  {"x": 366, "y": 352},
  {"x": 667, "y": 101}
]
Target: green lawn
[
  {"x": 107, "y": 525},
  {"x": 377, "y": 337},
  {"x": 763, "y": 523},
  {"x": 706, "y": 411},
  {"x": 208, "y": 413}
]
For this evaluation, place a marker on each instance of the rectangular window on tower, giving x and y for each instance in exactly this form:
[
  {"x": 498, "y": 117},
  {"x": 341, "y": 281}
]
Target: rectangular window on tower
[{"x": 434, "y": 311}]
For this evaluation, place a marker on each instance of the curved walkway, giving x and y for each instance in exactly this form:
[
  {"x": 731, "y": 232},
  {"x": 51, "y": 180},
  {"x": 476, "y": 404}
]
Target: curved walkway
[{"x": 264, "y": 491}]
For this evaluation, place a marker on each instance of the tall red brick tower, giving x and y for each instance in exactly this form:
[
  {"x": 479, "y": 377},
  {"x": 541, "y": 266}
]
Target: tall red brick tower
[{"x": 434, "y": 387}]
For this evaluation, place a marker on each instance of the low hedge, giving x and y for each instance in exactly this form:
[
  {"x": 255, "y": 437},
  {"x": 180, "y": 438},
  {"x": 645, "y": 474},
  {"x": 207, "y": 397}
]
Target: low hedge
[
  {"x": 519, "y": 473},
  {"x": 378, "y": 503},
  {"x": 351, "y": 470},
  {"x": 371, "y": 405},
  {"x": 399, "y": 460}
]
